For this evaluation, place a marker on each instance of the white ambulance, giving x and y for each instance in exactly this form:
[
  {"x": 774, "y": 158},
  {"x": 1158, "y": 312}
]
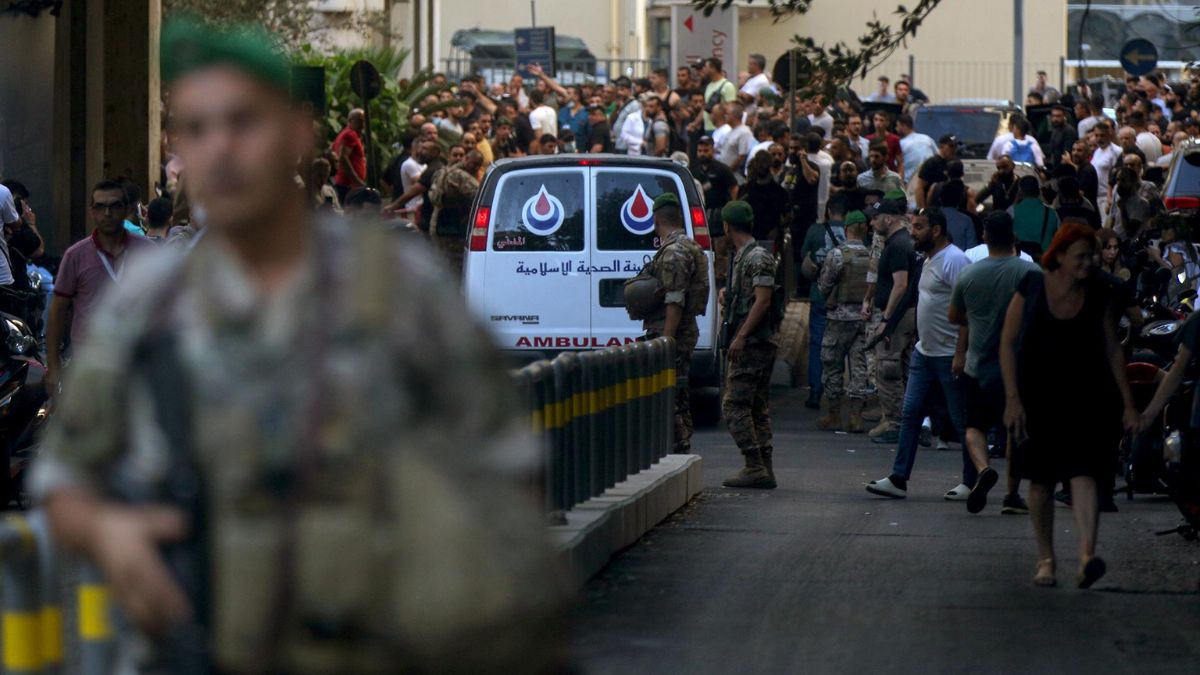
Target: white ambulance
[{"x": 553, "y": 240}]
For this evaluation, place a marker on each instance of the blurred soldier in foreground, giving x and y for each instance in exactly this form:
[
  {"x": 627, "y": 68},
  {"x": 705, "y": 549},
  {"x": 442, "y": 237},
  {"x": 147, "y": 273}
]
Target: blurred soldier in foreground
[
  {"x": 682, "y": 268},
  {"x": 288, "y": 451},
  {"x": 843, "y": 280},
  {"x": 747, "y": 302}
]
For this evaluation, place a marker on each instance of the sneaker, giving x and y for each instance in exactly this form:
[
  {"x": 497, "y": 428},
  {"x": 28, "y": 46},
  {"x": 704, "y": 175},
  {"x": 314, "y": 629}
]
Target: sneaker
[
  {"x": 925, "y": 440},
  {"x": 1014, "y": 506},
  {"x": 995, "y": 452},
  {"x": 884, "y": 487},
  {"x": 977, "y": 500},
  {"x": 958, "y": 494},
  {"x": 887, "y": 438},
  {"x": 942, "y": 445}
]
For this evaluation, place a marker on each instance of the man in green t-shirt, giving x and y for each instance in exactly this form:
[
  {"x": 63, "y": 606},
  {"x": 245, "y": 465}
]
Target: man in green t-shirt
[
  {"x": 1034, "y": 223},
  {"x": 717, "y": 90}
]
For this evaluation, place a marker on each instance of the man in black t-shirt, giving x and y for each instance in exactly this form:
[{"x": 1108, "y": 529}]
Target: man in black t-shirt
[
  {"x": 933, "y": 171},
  {"x": 599, "y": 138},
  {"x": 720, "y": 186},
  {"x": 431, "y": 168},
  {"x": 891, "y": 309}
]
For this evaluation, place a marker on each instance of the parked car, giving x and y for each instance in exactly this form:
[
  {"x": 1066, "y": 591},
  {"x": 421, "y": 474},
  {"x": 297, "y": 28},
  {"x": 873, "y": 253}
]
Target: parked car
[
  {"x": 553, "y": 240},
  {"x": 1181, "y": 191}
]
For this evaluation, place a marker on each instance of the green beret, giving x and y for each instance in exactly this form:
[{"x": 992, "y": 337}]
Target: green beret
[
  {"x": 188, "y": 45},
  {"x": 738, "y": 213},
  {"x": 503, "y": 122},
  {"x": 895, "y": 195},
  {"x": 856, "y": 218},
  {"x": 665, "y": 199}
]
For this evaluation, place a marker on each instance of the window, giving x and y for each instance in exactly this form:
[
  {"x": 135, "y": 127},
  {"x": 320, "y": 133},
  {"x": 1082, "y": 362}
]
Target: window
[
  {"x": 623, "y": 200},
  {"x": 539, "y": 211},
  {"x": 660, "y": 42}
]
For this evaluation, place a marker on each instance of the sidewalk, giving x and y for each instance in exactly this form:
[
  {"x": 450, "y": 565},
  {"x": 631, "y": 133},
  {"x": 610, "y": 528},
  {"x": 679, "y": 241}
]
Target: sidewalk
[{"x": 820, "y": 577}]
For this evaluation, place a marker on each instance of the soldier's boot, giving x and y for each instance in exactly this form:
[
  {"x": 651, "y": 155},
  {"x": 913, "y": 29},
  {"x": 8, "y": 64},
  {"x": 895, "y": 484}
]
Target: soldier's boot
[
  {"x": 872, "y": 412},
  {"x": 754, "y": 475},
  {"x": 769, "y": 463},
  {"x": 885, "y": 425},
  {"x": 832, "y": 421},
  {"x": 854, "y": 425}
]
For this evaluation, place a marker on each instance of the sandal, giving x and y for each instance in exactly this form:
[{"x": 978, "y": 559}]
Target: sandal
[
  {"x": 1091, "y": 572},
  {"x": 1045, "y": 574}
]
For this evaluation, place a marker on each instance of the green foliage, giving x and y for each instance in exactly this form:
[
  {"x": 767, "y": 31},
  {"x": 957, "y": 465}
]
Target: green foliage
[
  {"x": 390, "y": 111},
  {"x": 828, "y": 68}
]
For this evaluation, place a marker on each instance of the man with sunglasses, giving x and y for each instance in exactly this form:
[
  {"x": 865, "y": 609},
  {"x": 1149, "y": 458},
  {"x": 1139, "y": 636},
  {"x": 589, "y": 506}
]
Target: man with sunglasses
[{"x": 88, "y": 269}]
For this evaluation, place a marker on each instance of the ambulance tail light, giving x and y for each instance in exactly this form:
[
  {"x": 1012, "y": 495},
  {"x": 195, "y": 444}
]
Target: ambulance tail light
[
  {"x": 479, "y": 231},
  {"x": 700, "y": 229}
]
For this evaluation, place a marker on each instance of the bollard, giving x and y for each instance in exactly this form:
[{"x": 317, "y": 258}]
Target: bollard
[
  {"x": 50, "y": 612},
  {"x": 664, "y": 419},
  {"x": 558, "y": 421},
  {"x": 645, "y": 408},
  {"x": 610, "y": 438},
  {"x": 629, "y": 373},
  {"x": 593, "y": 421},
  {"x": 95, "y": 622},
  {"x": 669, "y": 393},
  {"x": 22, "y": 630}
]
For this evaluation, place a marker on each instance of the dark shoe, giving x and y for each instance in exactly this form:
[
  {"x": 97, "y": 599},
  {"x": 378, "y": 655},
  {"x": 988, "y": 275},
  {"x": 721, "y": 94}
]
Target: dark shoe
[
  {"x": 814, "y": 401},
  {"x": 986, "y": 481},
  {"x": 887, "y": 438},
  {"x": 1063, "y": 497},
  {"x": 1091, "y": 572},
  {"x": 1108, "y": 505},
  {"x": 995, "y": 452},
  {"x": 1014, "y": 506},
  {"x": 925, "y": 440}
]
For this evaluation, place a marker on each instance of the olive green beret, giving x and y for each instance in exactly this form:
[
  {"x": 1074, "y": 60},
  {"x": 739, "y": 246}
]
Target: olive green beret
[
  {"x": 856, "y": 218},
  {"x": 738, "y": 213},
  {"x": 188, "y": 45},
  {"x": 503, "y": 122},
  {"x": 665, "y": 199},
  {"x": 894, "y": 195}
]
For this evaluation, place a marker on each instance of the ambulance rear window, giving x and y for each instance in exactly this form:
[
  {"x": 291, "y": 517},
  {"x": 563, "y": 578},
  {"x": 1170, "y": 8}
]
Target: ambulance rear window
[
  {"x": 624, "y": 221},
  {"x": 539, "y": 211}
]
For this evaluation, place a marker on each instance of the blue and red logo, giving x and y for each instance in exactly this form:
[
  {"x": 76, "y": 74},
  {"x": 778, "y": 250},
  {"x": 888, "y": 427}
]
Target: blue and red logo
[
  {"x": 636, "y": 213},
  {"x": 543, "y": 213}
]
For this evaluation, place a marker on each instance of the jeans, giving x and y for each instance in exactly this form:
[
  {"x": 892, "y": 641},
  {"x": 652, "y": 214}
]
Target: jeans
[
  {"x": 929, "y": 376},
  {"x": 816, "y": 333}
]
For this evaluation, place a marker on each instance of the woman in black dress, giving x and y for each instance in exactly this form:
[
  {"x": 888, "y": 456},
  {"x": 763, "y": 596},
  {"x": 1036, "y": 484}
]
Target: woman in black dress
[{"x": 1068, "y": 398}]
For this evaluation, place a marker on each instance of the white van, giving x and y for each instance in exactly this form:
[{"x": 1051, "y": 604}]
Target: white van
[{"x": 553, "y": 240}]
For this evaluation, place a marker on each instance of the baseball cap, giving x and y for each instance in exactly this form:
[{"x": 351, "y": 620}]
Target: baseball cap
[
  {"x": 705, "y": 140},
  {"x": 948, "y": 139}
]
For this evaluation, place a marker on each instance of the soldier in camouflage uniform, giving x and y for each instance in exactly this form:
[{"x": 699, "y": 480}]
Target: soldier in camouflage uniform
[
  {"x": 682, "y": 268},
  {"x": 843, "y": 281},
  {"x": 454, "y": 189},
  {"x": 303, "y": 412},
  {"x": 747, "y": 302}
]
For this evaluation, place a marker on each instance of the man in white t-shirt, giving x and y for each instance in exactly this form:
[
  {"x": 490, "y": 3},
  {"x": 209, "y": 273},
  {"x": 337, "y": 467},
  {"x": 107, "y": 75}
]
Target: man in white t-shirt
[
  {"x": 736, "y": 145},
  {"x": 9, "y": 217},
  {"x": 824, "y": 162},
  {"x": 758, "y": 77},
  {"x": 819, "y": 117},
  {"x": 542, "y": 118},
  {"x": 1105, "y": 157},
  {"x": 1146, "y": 141},
  {"x": 410, "y": 173}
]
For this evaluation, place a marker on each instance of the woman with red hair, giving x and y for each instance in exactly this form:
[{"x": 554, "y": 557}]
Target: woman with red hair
[{"x": 1068, "y": 398}]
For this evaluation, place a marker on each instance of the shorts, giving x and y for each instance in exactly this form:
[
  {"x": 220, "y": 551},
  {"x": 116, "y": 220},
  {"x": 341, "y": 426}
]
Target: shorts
[{"x": 985, "y": 403}]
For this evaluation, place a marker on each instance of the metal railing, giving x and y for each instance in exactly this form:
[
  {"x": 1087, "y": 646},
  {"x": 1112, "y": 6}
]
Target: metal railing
[
  {"x": 602, "y": 416},
  {"x": 568, "y": 71}
]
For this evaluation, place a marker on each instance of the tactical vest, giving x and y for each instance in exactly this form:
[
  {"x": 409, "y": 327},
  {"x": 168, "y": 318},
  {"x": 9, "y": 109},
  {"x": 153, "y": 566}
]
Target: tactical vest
[
  {"x": 696, "y": 303},
  {"x": 852, "y": 287}
]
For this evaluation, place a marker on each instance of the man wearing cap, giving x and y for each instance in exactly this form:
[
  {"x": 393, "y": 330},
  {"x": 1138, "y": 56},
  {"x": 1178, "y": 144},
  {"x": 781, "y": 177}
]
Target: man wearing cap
[
  {"x": 843, "y": 282},
  {"x": 303, "y": 415},
  {"x": 933, "y": 171},
  {"x": 888, "y": 303},
  {"x": 682, "y": 268},
  {"x": 746, "y": 305}
]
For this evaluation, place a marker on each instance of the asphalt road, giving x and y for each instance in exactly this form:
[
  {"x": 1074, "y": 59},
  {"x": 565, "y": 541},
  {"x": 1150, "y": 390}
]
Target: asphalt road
[{"x": 820, "y": 577}]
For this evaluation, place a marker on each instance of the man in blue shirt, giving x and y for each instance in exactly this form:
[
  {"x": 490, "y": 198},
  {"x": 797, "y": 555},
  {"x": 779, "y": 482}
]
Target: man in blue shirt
[{"x": 915, "y": 147}]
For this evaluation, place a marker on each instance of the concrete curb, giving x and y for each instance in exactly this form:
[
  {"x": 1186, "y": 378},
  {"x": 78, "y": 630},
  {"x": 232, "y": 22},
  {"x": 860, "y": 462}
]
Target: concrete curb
[{"x": 601, "y": 527}]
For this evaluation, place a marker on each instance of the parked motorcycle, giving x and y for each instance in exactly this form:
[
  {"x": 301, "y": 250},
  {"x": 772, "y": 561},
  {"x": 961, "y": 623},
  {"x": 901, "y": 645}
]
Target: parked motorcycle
[{"x": 23, "y": 405}]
